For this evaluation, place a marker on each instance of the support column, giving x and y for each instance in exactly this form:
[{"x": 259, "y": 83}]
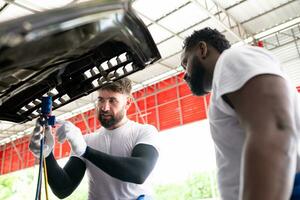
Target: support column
[
  {"x": 85, "y": 123},
  {"x": 3, "y": 159},
  {"x": 138, "y": 110},
  {"x": 178, "y": 101},
  {"x": 156, "y": 108}
]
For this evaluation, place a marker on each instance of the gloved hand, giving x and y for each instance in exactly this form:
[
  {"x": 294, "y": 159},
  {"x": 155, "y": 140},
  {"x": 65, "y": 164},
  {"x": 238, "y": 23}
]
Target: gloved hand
[
  {"x": 74, "y": 136},
  {"x": 35, "y": 140}
]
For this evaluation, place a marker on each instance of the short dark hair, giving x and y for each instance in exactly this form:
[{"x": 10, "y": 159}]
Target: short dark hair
[
  {"x": 208, "y": 35},
  {"x": 122, "y": 86}
]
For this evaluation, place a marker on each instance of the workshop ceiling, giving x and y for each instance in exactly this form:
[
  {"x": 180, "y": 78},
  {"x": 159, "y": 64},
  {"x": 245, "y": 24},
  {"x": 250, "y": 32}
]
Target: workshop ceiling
[{"x": 275, "y": 23}]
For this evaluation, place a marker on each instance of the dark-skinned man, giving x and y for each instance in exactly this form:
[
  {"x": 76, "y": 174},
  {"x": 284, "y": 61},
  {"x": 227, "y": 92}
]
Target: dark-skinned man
[{"x": 253, "y": 114}]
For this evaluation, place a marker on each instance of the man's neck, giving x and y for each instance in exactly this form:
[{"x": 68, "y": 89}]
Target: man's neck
[{"x": 121, "y": 123}]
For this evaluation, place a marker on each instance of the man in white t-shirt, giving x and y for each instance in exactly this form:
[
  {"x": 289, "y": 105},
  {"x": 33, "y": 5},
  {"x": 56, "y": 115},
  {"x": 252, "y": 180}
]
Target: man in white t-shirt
[
  {"x": 118, "y": 157},
  {"x": 253, "y": 114}
]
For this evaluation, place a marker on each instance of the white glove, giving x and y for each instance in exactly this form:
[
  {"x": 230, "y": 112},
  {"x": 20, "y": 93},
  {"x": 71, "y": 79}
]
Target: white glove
[
  {"x": 74, "y": 136},
  {"x": 35, "y": 140}
]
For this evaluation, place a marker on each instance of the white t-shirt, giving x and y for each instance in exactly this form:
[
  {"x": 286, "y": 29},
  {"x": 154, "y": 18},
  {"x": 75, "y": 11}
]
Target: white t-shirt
[
  {"x": 118, "y": 142},
  {"x": 233, "y": 69}
]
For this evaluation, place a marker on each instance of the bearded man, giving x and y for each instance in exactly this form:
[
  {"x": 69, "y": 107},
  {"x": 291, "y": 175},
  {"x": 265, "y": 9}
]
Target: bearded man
[{"x": 118, "y": 157}]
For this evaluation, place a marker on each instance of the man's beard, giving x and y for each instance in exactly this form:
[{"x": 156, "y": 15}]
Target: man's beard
[
  {"x": 112, "y": 120},
  {"x": 196, "y": 79}
]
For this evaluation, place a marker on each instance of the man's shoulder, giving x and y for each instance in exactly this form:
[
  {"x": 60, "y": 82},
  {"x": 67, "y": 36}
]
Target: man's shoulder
[
  {"x": 244, "y": 50},
  {"x": 235, "y": 51},
  {"x": 145, "y": 126}
]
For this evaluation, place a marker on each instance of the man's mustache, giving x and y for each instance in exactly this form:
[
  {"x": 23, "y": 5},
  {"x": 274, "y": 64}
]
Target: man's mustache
[{"x": 105, "y": 113}]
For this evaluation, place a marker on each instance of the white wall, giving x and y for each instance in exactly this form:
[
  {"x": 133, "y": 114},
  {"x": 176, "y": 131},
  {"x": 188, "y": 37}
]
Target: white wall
[{"x": 184, "y": 150}]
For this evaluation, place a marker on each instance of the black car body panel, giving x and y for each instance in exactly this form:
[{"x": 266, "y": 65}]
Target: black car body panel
[{"x": 68, "y": 53}]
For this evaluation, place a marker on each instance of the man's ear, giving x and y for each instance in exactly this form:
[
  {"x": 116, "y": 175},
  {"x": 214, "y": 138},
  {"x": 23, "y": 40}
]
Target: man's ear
[{"x": 202, "y": 47}]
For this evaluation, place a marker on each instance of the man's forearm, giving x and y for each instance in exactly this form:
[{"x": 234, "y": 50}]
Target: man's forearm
[
  {"x": 64, "y": 181},
  {"x": 268, "y": 167},
  {"x": 131, "y": 169}
]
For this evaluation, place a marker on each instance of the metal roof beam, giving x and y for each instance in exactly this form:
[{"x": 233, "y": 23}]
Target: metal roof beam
[
  {"x": 269, "y": 11},
  {"x": 275, "y": 40},
  {"x": 161, "y": 26},
  {"x": 223, "y": 18},
  {"x": 23, "y": 6}
]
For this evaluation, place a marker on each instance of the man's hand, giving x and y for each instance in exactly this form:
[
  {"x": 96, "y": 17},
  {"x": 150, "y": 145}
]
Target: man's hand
[
  {"x": 35, "y": 140},
  {"x": 74, "y": 136}
]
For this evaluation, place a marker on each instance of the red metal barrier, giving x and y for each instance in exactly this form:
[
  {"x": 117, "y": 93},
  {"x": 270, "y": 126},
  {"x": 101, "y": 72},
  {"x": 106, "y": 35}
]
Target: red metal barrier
[{"x": 166, "y": 104}]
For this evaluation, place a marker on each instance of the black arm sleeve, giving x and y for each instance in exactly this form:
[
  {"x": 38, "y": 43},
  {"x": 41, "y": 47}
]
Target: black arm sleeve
[
  {"x": 63, "y": 181},
  {"x": 133, "y": 169}
]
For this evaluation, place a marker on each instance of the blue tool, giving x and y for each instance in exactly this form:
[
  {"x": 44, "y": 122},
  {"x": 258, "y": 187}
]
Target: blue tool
[
  {"x": 141, "y": 197},
  {"x": 46, "y": 117},
  {"x": 296, "y": 189},
  {"x": 144, "y": 197}
]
